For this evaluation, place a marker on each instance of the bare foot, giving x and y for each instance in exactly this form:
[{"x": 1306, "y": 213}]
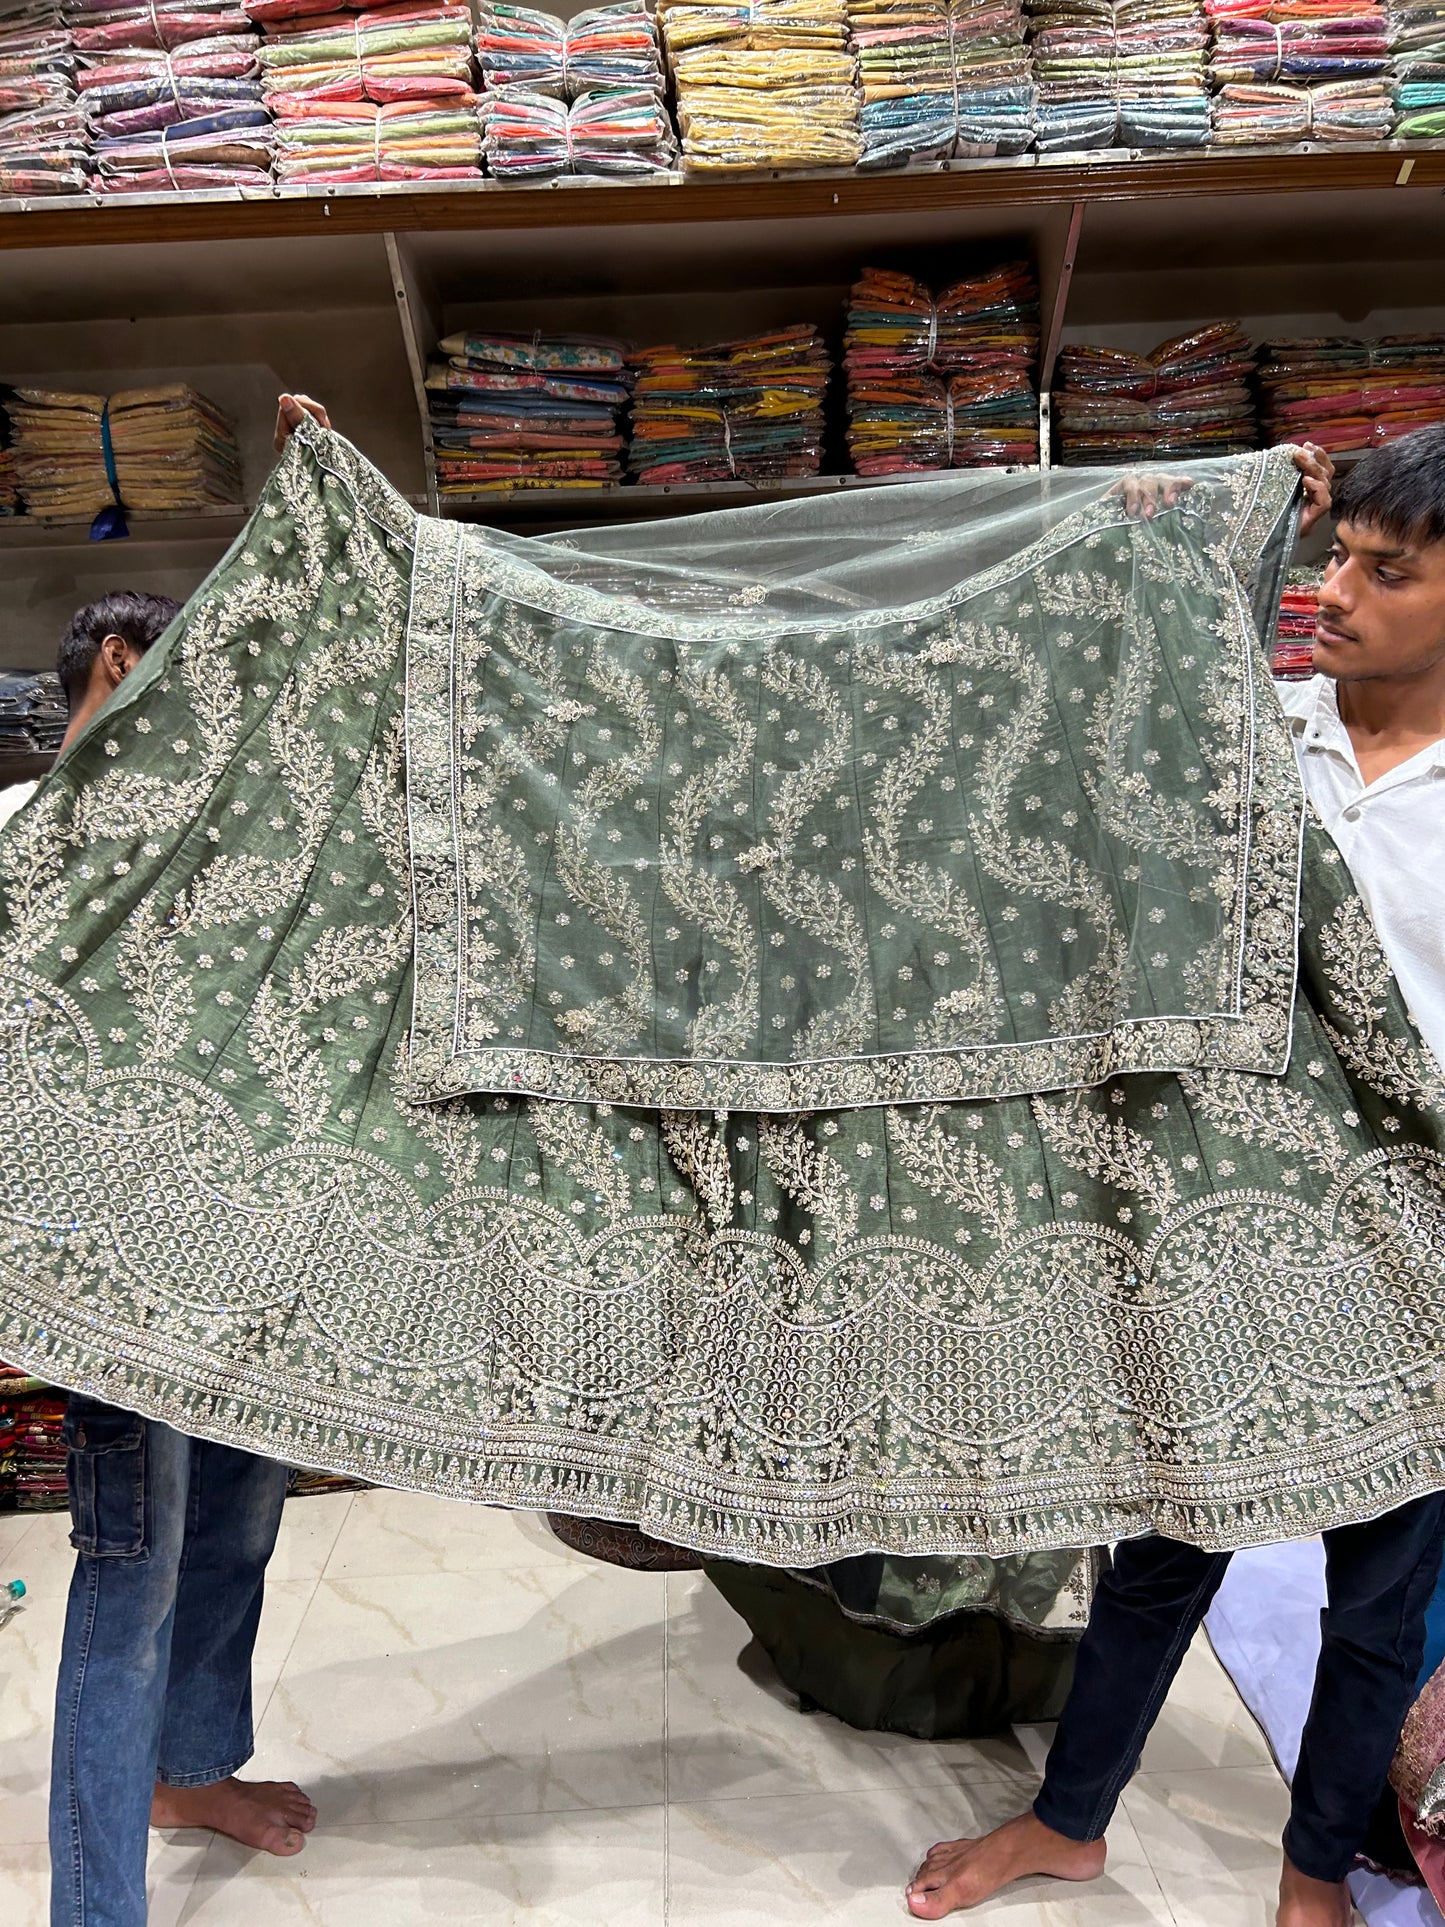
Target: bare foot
[
  {"x": 1312, "y": 1903},
  {"x": 273, "y": 1815},
  {"x": 961, "y": 1873}
]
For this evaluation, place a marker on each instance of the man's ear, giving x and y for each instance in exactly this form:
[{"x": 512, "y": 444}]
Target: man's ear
[{"x": 117, "y": 659}]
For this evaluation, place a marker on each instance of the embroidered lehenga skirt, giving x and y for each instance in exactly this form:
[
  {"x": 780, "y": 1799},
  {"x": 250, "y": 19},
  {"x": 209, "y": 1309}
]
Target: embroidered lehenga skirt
[{"x": 812, "y": 1032}]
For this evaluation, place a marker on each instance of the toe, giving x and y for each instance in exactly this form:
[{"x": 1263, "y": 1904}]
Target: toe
[{"x": 282, "y": 1841}]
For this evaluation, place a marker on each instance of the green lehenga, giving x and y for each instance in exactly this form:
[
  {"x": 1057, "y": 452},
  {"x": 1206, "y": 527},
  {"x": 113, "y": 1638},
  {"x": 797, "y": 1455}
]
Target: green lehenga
[{"x": 803, "y": 1075}]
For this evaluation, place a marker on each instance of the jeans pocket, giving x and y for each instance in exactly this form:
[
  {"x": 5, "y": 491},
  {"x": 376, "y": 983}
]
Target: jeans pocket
[{"x": 105, "y": 1470}]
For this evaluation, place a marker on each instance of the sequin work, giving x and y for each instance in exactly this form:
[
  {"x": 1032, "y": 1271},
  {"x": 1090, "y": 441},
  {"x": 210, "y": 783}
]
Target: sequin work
[{"x": 1195, "y": 1298}]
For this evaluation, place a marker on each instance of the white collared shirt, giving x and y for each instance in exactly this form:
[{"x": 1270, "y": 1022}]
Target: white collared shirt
[{"x": 1392, "y": 835}]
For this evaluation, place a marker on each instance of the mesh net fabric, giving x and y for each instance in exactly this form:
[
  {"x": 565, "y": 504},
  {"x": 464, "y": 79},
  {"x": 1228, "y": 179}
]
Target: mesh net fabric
[{"x": 970, "y": 789}]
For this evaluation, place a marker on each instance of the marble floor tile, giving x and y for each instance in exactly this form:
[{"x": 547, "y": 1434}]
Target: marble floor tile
[
  {"x": 597, "y": 1869},
  {"x": 309, "y": 1530},
  {"x": 844, "y": 1859},
  {"x": 734, "y": 1729},
  {"x": 1204, "y": 1723},
  {"x": 444, "y": 1694},
  {"x": 174, "y": 1862},
  {"x": 1213, "y": 1840},
  {"x": 13, "y": 1528},
  {"x": 390, "y": 1533}
]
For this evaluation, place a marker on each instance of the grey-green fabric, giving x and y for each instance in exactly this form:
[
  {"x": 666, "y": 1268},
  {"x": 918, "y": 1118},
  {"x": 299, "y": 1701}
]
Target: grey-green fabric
[{"x": 1162, "y": 1292}]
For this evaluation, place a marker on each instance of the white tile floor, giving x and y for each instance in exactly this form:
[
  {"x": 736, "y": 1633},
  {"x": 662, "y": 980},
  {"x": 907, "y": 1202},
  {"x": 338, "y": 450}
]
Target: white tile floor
[{"x": 498, "y": 1730}]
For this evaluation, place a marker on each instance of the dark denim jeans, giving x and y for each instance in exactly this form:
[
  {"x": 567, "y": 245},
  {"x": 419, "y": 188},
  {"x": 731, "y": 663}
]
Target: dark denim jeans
[
  {"x": 173, "y": 1536},
  {"x": 1379, "y": 1580}
]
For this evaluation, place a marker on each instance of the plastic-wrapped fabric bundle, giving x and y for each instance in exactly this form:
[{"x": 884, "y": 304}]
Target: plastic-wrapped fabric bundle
[
  {"x": 102, "y": 25},
  {"x": 763, "y": 83},
  {"x": 34, "y": 714},
  {"x": 401, "y": 53},
  {"x": 1352, "y": 43},
  {"x": 527, "y": 411},
  {"x": 138, "y": 90},
  {"x": 1294, "y": 639},
  {"x": 343, "y": 142},
  {"x": 43, "y": 148},
  {"x": 737, "y": 410},
  {"x": 1417, "y": 62},
  {"x": 945, "y": 383},
  {"x": 942, "y": 78},
  {"x": 1125, "y": 74},
  {"x": 230, "y": 148},
  {"x": 1262, "y": 113},
  {"x": 172, "y": 450},
  {"x": 1188, "y": 397},
  {"x": 611, "y": 46},
  {"x": 1349, "y": 395},
  {"x": 527, "y": 136}
]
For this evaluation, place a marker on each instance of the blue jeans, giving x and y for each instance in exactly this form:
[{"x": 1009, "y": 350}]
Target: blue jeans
[
  {"x": 1379, "y": 1577},
  {"x": 173, "y": 1535}
]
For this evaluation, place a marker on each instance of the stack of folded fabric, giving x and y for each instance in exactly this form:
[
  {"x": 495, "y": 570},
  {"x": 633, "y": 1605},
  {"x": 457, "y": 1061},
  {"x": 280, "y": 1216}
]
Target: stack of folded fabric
[
  {"x": 613, "y": 46},
  {"x": 10, "y": 503},
  {"x": 43, "y": 147},
  {"x": 1190, "y": 396},
  {"x": 338, "y": 142},
  {"x": 31, "y": 1413},
  {"x": 171, "y": 450},
  {"x": 945, "y": 383},
  {"x": 170, "y": 94},
  {"x": 527, "y": 411},
  {"x": 37, "y": 1414},
  {"x": 1294, "y": 641},
  {"x": 379, "y": 94},
  {"x": 942, "y": 78},
  {"x": 1349, "y": 395},
  {"x": 527, "y": 136},
  {"x": 1417, "y": 63},
  {"x": 763, "y": 83},
  {"x": 1292, "y": 70},
  {"x": 33, "y": 716},
  {"x": 749, "y": 410},
  {"x": 1120, "y": 73}
]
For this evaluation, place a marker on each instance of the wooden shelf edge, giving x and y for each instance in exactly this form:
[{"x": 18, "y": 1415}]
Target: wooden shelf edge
[{"x": 1038, "y": 180}]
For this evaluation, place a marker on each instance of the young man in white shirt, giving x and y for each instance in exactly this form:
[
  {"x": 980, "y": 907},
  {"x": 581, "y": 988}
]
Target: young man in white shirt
[{"x": 1369, "y": 731}]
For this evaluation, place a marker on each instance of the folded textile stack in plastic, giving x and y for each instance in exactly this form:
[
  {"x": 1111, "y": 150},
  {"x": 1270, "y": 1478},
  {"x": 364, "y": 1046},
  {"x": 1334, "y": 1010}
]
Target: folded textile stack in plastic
[
  {"x": 1294, "y": 640},
  {"x": 1120, "y": 73},
  {"x": 337, "y": 142},
  {"x": 1417, "y": 63},
  {"x": 745, "y": 410},
  {"x": 1264, "y": 113},
  {"x": 1293, "y": 70},
  {"x": 527, "y": 136},
  {"x": 9, "y": 489},
  {"x": 945, "y": 383},
  {"x": 33, "y": 715},
  {"x": 763, "y": 83},
  {"x": 170, "y": 448},
  {"x": 1190, "y": 396},
  {"x": 942, "y": 78},
  {"x": 612, "y": 46},
  {"x": 1348, "y": 395},
  {"x": 32, "y": 1446},
  {"x": 383, "y": 54},
  {"x": 43, "y": 147},
  {"x": 379, "y": 94},
  {"x": 171, "y": 95},
  {"x": 527, "y": 411}
]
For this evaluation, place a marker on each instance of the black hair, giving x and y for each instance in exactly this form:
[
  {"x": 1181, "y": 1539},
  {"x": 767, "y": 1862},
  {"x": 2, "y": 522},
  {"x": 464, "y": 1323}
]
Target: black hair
[
  {"x": 135, "y": 618},
  {"x": 1399, "y": 490}
]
